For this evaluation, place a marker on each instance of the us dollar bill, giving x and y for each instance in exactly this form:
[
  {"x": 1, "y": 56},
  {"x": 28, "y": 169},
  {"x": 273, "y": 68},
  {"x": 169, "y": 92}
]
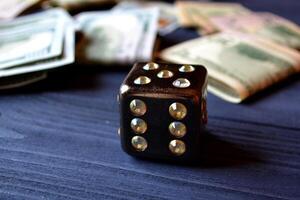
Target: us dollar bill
[
  {"x": 106, "y": 37},
  {"x": 36, "y": 42},
  {"x": 117, "y": 37},
  {"x": 168, "y": 20},
  {"x": 66, "y": 57},
  {"x": 198, "y": 14},
  {"x": 34, "y": 20},
  {"x": 148, "y": 18},
  {"x": 22, "y": 44},
  {"x": 267, "y": 25},
  {"x": 238, "y": 65},
  {"x": 30, "y": 45}
]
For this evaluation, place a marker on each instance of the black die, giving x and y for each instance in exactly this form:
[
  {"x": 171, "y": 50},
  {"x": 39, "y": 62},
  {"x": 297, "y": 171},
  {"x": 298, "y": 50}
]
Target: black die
[{"x": 163, "y": 111}]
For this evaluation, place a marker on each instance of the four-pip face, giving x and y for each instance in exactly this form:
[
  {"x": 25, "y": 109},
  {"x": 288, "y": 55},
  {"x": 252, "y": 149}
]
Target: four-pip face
[{"x": 163, "y": 111}]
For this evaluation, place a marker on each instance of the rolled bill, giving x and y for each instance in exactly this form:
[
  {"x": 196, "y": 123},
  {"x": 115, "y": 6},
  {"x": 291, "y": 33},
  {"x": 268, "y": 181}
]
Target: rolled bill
[{"x": 238, "y": 65}]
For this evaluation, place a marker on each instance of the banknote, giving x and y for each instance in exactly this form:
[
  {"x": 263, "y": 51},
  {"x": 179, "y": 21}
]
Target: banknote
[
  {"x": 263, "y": 24},
  {"x": 33, "y": 37},
  {"x": 21, "y": 80},
  {"x": 238, "y": 65},
  {"x": 12, "y": 8},
  {"x": 30, "y": 45},
  {"x": 34, "y": 20},
  {"x": 148, "y": 18},
  {"x": 198, "y": 14},
  {"x": 65, "y": 58},
  {"x": 107, "y": 36},
  {"x": 168, "y": 20},
  {"x": 36, "y": 42}
]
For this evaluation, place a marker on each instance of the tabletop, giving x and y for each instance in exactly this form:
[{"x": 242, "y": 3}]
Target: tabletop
[{"x": 58, "y": 140}]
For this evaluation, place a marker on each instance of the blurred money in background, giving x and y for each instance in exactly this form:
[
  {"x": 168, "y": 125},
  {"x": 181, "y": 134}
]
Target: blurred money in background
[
  {"x": 244, "y": 51},
  {"x": 36, "y": 42},
  {"x": 198, "y": 14},
  {"x": 168, "y": 20},
  {"x": 12, "y": 8},
  {"x": 117, "y": 37},
  {"x": 263, "y": 24},
  {"x": 238, "y": 65}
]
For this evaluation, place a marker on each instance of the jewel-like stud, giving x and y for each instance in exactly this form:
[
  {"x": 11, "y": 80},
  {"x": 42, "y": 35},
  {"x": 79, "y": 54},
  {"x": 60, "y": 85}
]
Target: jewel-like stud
[
  {"x": 177, "y": 110},
  {"x": 124, "y": 88},
  {"x": 119, "y": 131},
  {"x": 142, "y": 80},
  {"x": 165, "y": 74},
  {"x": 177, "y": 129},
  {"x": 187, "y": 68},
  {"x": 138, "y": 107},
  {"x": 181, "y": 83},
  {"x": 151, "y": 66},
  {"x": 139, "y": 143},
  {"x": 138, "y": 125},
  {"x": 177, "y": 147}
]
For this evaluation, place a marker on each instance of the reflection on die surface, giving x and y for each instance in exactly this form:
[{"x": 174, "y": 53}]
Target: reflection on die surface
[{"x": 163, "y": 111}]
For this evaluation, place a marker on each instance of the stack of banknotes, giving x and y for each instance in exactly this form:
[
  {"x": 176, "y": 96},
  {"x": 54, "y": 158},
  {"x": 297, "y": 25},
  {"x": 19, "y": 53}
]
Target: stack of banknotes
[
  {"x": 32, "y": 44},
  {"x": 243, "y": 51}
]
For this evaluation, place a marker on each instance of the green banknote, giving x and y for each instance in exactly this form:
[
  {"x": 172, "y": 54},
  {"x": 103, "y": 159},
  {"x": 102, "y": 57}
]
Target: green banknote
[
  {"x": 121, "y": 37},
  {"x": 106, "y": 37},
  {"x": 32, "y": 38},
  {"x": 168, "y": 20},
  {"x": 148, "y": 17},
  {"x": 36, "y": 42},
  {"x": 266, "y": 25},
  {"x": 66, "y": 57},
  {"x": 198, "y": 14},
  {"x": 239, "y": 65}
]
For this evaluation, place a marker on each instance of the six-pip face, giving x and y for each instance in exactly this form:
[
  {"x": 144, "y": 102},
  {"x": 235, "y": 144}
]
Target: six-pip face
[{"x": 162, "y": 110}]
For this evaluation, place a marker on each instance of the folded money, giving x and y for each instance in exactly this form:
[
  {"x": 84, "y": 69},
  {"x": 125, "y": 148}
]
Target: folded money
[
  {"x": 262, "y": 24},
  {"x": 168, "y": 20},
  {"x": 36, "y": 43},
  {"x": 117, "y": 37},
  {"x": 238, "y": 65},
  {"x": 198, "y": 14},
  {"x": 12, "y": 8}
]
